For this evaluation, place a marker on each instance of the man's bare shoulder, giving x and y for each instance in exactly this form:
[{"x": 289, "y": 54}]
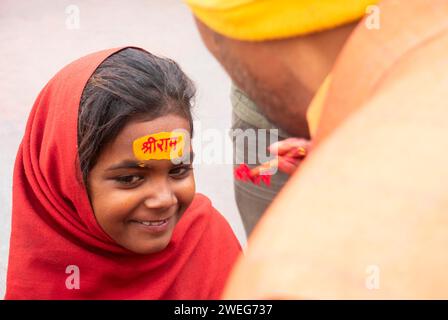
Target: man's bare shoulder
[{"x": 370, "y": 201}]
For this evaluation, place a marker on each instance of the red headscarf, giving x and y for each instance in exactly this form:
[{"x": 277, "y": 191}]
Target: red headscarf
[{"x": 53, "y": 225}]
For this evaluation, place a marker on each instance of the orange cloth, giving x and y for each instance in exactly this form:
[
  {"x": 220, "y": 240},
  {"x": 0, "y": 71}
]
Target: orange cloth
[{"x": 314, "y": 111}]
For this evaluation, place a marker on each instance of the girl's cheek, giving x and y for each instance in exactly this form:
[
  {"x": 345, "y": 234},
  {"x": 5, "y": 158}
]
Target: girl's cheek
[
  {"x": 115, "y": 205},
  {"x": 186, "y": 190}
]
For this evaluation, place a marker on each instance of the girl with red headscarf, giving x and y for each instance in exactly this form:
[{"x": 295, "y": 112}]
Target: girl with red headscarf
[{"x": 90, "y": 219}]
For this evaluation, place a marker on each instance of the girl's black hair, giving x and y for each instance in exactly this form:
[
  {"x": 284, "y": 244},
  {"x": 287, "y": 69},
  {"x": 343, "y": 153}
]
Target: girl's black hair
[{"x": 132, "y": 84}]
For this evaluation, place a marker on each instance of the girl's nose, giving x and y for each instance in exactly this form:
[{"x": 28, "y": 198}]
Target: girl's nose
[{"x": 162, "y": 197}]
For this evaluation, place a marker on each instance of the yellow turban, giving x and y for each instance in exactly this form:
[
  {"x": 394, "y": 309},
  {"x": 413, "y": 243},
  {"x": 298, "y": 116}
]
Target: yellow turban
[{"x": 256, "y": 20}]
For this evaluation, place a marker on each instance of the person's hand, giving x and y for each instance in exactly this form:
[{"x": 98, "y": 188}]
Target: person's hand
[{"x": 290, "y": 153}]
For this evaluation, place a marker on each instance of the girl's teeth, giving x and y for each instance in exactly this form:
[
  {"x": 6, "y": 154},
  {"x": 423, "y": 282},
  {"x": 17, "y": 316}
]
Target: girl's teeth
[{"x": 153, "y": 223}]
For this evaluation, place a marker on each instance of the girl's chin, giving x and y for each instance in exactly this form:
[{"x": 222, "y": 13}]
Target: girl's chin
[
  {"x": 154, "y": 244},
  {"x": 146, "y": 248}
]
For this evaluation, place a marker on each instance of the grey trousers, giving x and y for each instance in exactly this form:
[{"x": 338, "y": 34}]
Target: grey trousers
[{"x": 252, "y": 200}]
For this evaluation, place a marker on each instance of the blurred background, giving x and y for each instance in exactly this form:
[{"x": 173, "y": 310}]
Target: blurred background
[{"x": 40, "y": 37}]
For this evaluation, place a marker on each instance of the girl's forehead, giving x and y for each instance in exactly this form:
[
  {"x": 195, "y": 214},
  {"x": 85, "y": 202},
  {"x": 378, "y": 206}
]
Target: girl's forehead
[
  {"x": 123, "y": 145},
  {"x": 137, "y": 129}
]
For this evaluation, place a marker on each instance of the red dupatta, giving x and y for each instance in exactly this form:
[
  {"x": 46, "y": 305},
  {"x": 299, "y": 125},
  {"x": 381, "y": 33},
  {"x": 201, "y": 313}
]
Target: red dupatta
[{"x": 55, "y": 234}]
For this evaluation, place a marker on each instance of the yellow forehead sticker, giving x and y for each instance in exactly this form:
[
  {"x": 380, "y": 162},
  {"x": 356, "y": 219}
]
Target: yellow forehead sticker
[{"x": 160, "y": 146}]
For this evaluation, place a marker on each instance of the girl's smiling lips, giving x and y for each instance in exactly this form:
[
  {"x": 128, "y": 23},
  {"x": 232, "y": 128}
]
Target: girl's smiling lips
[{"x": 159, "y": 225}]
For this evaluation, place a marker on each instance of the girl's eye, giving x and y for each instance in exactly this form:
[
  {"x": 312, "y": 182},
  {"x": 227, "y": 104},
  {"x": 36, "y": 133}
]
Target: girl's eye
[
  {"x": 179, "y": 172},
  {"x": 128, "y": 180}
]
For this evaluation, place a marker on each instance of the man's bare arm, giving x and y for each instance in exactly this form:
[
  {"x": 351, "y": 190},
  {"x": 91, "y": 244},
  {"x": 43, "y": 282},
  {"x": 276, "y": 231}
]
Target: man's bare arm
[{"x": 370, "y": 201}]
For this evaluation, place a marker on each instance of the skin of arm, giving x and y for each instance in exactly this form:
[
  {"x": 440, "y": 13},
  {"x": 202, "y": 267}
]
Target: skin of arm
[{"x": 371, "y": 200}]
